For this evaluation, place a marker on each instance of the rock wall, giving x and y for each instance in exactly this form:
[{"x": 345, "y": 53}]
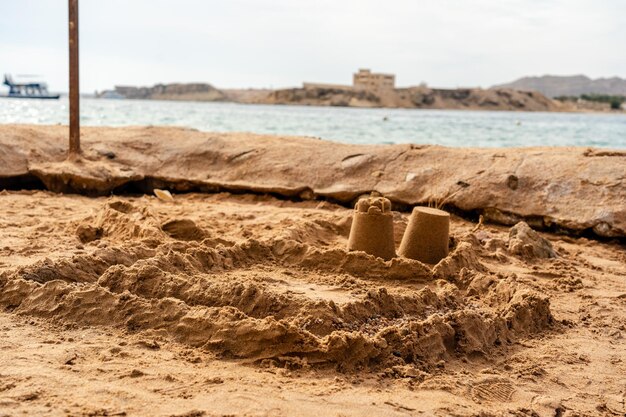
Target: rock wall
[{"x": 575, "y": 190}]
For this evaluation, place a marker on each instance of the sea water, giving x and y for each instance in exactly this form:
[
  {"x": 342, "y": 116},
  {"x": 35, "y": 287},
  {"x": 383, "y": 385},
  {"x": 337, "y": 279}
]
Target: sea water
[{"x": 462, "y": 128}]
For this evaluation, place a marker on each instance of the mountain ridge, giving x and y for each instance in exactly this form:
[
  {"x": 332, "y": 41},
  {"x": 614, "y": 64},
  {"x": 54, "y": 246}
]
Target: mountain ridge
[{"x": 568, "y": 85}]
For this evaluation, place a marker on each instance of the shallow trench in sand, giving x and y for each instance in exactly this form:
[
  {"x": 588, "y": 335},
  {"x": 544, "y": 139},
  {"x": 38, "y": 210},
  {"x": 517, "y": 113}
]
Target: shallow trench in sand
[{"x": 244, "y": 280}]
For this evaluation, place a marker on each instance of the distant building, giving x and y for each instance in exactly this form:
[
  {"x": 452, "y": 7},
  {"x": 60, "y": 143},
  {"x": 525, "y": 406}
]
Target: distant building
[
  {"x": 327, "y": 86},
  {"x": 368, "y": 80},
  {"x": 364, "y": 79}
]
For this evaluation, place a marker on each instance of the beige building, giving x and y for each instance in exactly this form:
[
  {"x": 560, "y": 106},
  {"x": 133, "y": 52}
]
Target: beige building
[
  {"x": 362, "y": 80},
  {"x": 368, "y": 80}
]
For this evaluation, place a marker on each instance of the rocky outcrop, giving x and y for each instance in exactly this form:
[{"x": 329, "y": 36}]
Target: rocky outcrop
[
  {"x": 525, "y": 242},
  {"x": 341, "y": 97},
  {"x": 417, "y": 97},
  {"x": 497, "y": 99},
  {"x": 568, "y": 189},
  {"x": 413, "y": 97},
  {"x": 191, "y": 91}
]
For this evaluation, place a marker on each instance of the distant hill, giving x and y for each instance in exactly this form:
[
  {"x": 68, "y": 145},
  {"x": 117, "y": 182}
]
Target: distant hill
[
  {"x": 190, "y": 91},
  {"x": 411, "y": 97},
  {"x": 420, "y": 97},
  {"x": 417, "y": 98},
  {"x": 568, "y": 85}
]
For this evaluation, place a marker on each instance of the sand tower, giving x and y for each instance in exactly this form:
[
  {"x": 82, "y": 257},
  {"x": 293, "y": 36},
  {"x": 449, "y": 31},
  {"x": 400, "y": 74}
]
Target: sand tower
[
  {"x": 372, "y": 228},
  {"x": 426, "y": 236}
]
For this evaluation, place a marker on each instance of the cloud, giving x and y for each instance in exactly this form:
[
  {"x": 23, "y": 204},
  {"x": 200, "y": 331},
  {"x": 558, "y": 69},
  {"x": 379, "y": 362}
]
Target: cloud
[{"x": 241, "y": 43}]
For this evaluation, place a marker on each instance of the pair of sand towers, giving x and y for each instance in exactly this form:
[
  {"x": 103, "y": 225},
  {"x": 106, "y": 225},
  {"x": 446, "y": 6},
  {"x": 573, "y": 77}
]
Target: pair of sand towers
[{"x": 425, "y": 238}]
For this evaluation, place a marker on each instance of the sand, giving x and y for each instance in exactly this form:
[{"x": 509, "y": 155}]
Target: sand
[
  {"x": 222, "y": 304},
  {"x": 232, "y": 290}
]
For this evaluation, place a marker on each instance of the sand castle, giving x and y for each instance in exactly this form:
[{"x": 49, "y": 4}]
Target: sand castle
[
  {"x": 425, "y": 238},
  {"x": 372, "y": 228}
]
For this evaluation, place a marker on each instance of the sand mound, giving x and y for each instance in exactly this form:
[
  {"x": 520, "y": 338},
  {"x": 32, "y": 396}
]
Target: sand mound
[
  {"x": 284, "y": 297},
  {"x": 119, "y": 220}
]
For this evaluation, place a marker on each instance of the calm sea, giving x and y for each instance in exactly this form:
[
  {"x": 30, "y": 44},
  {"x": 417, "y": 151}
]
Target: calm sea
[{"x": 351, "y": 125}]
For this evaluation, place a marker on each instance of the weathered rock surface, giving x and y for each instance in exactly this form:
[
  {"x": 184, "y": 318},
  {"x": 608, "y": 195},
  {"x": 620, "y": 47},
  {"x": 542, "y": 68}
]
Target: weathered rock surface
[
  {"x": 570, "y": 189},
  {"x": 525, "y": 242}
]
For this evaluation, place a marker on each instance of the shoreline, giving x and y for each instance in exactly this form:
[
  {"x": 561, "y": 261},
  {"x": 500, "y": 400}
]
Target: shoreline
[
  {"x": 420, "y": 97},
  {"x": 477, "y": 109},
  {"x": 474, "y": 109},
  {"x": 322, "y": 106}
]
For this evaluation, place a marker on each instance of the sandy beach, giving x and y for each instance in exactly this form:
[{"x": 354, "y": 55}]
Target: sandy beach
[
  {"x": 311, "y": 209},
  {"x": 237, "y": 296}
]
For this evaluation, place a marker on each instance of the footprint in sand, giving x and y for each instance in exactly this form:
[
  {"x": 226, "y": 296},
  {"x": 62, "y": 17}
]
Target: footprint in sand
[{"x": 497, "y": 390}]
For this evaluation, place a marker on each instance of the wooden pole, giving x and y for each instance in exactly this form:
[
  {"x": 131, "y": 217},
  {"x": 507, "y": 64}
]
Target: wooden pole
[{"x": 74, "y": 87}]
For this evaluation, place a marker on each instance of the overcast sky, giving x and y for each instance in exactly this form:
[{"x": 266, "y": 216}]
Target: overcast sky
[{"x": 280, "y": 43}]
